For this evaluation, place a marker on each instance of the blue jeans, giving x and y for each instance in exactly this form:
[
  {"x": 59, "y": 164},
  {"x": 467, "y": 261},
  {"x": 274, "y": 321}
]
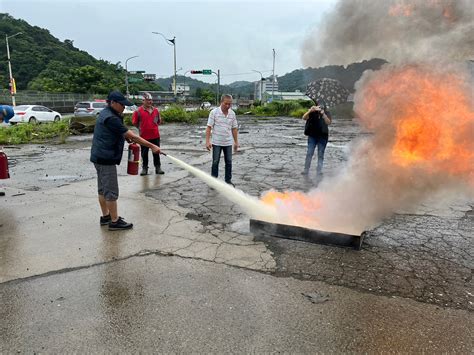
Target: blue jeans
[
  {"x": 312, "y": 143},
  {"x": 216, "y": 156}
]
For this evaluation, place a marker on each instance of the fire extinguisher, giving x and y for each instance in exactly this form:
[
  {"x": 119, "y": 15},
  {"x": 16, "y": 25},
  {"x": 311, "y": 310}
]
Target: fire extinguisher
[
  {"x": 4, "y": 174},
  {"x": 133, "y": 158}
]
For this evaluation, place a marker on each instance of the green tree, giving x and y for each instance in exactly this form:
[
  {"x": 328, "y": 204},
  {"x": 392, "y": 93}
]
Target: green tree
[
  {"x": 83, "y": 79},
  {"x": 205, "y": 94}
]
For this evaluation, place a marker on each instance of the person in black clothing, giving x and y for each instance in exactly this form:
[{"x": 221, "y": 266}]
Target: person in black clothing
[
  {"x": 107, "y": 149},
  {"x": 316, "y": 128}
]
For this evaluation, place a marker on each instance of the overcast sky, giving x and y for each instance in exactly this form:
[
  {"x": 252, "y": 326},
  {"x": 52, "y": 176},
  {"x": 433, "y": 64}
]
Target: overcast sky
[{"x": 234, "y": 37}]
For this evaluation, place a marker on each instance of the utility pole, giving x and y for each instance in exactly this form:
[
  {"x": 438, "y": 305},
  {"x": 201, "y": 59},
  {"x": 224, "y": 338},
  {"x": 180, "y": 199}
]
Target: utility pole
[
  {"x": 126, "y": 76},
  {"x": 12, "y": 80},
  {"x": 174, "y": 79},
  {"x": 273, "y": 76},
  {"x": 218, "y": 85}
]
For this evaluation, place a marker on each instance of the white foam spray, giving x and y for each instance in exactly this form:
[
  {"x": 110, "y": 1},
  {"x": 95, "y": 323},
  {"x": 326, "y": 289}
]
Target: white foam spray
[{"x": 251, "y": 205}]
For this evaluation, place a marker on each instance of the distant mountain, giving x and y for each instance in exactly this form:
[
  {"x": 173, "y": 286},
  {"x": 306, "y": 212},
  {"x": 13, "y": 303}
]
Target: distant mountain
[
  {"x": 44, "y": 63},
  {"x": 296, "y": 80},
  {"x": 299, "y": 79},
  {"x": 239, "y": 84}
]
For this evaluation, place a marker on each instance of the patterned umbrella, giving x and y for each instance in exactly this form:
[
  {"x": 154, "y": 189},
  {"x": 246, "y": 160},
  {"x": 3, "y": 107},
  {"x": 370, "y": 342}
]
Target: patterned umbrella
[{"x": 327, "y": 92}]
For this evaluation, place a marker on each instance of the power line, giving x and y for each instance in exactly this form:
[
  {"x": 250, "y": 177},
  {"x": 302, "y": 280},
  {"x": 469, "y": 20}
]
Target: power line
[{"x": 234, "y": 74}]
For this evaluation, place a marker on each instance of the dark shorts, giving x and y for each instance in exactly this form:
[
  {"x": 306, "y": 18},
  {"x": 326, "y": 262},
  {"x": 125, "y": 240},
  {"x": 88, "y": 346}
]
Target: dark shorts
[{"x": 107, "y": 181}]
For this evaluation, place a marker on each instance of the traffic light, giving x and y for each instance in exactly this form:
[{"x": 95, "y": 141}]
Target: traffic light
[{"x": 204, "y": 71}]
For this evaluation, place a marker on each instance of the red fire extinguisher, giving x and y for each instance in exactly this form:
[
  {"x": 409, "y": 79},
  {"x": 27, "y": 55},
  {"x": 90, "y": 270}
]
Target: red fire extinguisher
[
  {"x": 4, "y": 174},
  {"x": 133, "y": 158}
]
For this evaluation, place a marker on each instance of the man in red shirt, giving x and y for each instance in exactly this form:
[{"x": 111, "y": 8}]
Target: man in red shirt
[{"x": 147, "y": 118}]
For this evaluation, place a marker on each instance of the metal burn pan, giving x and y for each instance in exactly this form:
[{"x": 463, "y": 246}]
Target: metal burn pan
[{"x": 261, "y": 228}]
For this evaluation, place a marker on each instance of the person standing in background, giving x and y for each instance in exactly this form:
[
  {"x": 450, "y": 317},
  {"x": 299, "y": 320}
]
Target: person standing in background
[
  {"x": 316, "y": 128},
  {"x": 147, "y": 118},
  {"x": 222, "y": 123}
]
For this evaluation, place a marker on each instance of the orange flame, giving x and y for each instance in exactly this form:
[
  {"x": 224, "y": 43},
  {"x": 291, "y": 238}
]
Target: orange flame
[
  {"x": 422, "y": 120},
  {"x": 299, "y": 207},
  {"x": 407, "y": 8},
  {"x": 401, "y": 10},
  {"x": 432, "y": 117}
]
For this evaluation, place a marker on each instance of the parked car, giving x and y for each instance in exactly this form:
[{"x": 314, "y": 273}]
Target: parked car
[
  {"x": 89, "y": 108},
  {"x": 206, "y": 105},
  {"x": 34, "y": 114},
  {"x": 130, "y": 109}
]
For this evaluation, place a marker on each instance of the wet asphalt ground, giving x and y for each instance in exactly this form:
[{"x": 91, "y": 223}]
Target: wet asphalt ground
[{"x": 191, "y": 277}]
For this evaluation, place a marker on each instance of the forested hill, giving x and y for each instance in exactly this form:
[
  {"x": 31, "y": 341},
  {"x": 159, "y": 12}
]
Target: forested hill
[
  {"x": 298, "y": 79},
  {"x": 35, "y": 51},
  {"x": 42, "y": 62}
]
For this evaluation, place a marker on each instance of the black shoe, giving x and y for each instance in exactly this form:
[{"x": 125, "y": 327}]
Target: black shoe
[
  {"x": 119, "y": 225},
  {"x": 304, "y": 172},
  {"x": 159, "y": 171},
  {"x": 230, "y": 183},
  {"x": 104, "y": 220},
  {"x": 144, "y": 172}
]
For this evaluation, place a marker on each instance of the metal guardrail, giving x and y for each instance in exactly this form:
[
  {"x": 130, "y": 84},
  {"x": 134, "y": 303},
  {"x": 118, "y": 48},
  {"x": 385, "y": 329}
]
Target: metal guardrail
[{"x": 62, "y": 102}]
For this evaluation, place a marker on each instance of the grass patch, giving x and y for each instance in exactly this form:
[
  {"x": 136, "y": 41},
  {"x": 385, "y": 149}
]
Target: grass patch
[
  {"x": 35, "y": 133},
  {"x": 298, "y": 113},
  {"x": 282, "y": 108}
]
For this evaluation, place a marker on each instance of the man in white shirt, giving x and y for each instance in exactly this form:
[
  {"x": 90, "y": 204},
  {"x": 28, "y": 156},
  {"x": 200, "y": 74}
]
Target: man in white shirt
[{"x": 223, "y": 125}]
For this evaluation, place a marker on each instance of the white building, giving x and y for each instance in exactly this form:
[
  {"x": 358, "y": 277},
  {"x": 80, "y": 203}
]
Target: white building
[
  {"x": 264, "y": 91},
  {"x": 181, "y": 89},
  {"x": 264, "y": 87},
  {"x": 290, "y": 95}
]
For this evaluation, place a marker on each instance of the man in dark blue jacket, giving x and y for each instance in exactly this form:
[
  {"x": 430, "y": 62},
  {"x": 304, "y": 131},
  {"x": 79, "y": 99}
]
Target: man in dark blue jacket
[{"x": 107, "y": 149}]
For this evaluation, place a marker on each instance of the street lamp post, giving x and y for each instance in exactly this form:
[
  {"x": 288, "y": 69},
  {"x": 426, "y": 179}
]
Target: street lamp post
[
  {"x": 171, "y": 42},
  {"x": 126, "y": 75},
  {"x": 184, "y": 80},
  {"x": 273, "y": 76},
  {"x": 12, "y": 92},
  {"x": 261, "y": 83},
  {"x": 218, "y": 74}
]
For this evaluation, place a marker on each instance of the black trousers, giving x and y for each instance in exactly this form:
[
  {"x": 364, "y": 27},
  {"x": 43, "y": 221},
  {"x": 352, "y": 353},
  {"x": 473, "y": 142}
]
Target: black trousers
[{"x": 156, "y": 157}]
